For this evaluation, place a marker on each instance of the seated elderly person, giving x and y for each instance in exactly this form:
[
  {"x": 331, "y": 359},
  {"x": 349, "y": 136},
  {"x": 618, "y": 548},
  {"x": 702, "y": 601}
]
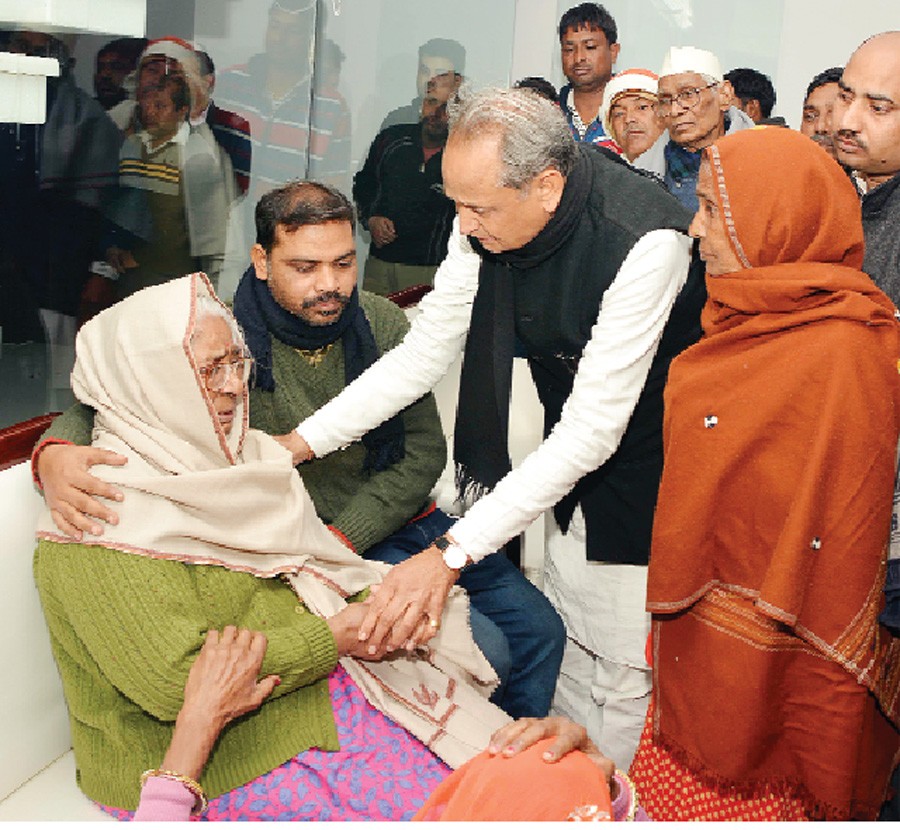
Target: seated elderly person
[
  {"x": 629, "y": 112},
  {"x": 217, "y": 529},
  {"x": 311, "y": 330}
]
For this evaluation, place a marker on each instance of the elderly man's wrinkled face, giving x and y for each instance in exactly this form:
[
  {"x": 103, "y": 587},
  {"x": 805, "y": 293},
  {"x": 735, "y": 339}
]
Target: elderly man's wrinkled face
[
  {"x": 634, "y": 123},
  {"x": 817, "y": 116},
  {"x": 587, "y": 58},
  {"x": 311, "y": 271},
  {"x": 692, "y": 124},
  {"x": 708, "y": 226},
  {"x": 866, "y": 116},
  {"x": 500, "y": 218},
  {"x": 222, "y": 366}
]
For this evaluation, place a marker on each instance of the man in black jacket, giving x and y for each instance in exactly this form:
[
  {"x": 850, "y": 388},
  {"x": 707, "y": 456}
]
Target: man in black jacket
[{"x": 400, "y": 196}]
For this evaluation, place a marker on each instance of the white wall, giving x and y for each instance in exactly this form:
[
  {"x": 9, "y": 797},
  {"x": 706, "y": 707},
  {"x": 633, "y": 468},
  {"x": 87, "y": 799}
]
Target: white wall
[{"x": 817, "y": 34}]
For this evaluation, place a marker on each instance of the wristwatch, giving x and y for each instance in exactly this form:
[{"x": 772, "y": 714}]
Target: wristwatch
[{"x": 454, "y": 556}]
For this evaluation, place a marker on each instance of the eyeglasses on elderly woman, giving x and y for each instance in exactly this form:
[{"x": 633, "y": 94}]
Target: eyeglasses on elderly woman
[{"x": 217, "y": 375}]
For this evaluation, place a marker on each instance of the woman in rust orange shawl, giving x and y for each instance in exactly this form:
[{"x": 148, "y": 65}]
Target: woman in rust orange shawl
[{"x": 775, "y": 689}]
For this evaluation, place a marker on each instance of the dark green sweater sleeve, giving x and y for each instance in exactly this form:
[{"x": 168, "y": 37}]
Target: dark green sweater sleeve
[
  {"x": 142, "y": 621},
  {"x": 75, "y": 425},
  {"x": 390, "y": 498}
]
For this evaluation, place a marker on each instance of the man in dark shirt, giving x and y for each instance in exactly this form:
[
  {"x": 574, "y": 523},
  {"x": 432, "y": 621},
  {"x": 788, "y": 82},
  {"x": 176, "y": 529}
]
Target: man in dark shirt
[{"x": 400, "y": 196}]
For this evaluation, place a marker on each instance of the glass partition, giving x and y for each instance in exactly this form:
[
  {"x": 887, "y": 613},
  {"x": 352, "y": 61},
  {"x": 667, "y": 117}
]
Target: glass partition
[{"x": 152, "y": 157}]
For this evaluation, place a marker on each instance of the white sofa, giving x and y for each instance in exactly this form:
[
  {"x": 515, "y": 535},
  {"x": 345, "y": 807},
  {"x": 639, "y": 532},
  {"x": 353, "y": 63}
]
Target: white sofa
[{"x": 37, "y": 766}]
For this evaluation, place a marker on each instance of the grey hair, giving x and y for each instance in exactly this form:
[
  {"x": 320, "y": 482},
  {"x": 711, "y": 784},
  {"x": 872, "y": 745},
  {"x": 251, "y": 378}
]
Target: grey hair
[
  {"x": 533, "y": 131},
  {"x": 210, "y": 307}
]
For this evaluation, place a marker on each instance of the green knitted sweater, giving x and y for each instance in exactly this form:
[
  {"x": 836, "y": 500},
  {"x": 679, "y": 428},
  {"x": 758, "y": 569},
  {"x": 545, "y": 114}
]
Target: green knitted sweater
[
  {"x": 125, "y": 631},
  {"x": 365, "y": 508}
]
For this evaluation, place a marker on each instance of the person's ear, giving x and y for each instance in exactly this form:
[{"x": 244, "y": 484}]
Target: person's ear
[
  {"x": 260, "y": 262},
  {"x": 614, "y": 52},
  {"x": 754, "y": 110},
  {"x": 550, "y": 184}
]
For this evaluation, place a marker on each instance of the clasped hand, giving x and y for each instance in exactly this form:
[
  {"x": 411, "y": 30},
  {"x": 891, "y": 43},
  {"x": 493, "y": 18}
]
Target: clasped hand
[{"x": 405, "y": 610}]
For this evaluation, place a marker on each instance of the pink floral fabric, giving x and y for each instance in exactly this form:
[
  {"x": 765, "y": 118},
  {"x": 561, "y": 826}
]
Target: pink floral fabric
[{"x": 380, "y": 773}]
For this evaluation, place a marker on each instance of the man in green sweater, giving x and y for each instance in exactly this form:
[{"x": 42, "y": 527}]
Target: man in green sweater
[{"x": 311, "y": 332}]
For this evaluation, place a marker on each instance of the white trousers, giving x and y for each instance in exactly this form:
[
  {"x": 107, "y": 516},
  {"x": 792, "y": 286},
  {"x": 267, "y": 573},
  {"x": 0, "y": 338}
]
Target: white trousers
[{"x": 605, "y": 682}]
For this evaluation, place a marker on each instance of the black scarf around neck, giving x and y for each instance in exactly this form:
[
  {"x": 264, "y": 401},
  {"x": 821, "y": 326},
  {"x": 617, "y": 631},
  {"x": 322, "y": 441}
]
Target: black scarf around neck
[
  {"x": 262, "y": 318},
  {"x": 481, "y": 435}
]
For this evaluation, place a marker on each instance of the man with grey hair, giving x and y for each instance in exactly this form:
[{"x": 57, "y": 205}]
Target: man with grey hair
[
  {"x": 584, "y": 263},
  {"x": 693, "y": 103}
]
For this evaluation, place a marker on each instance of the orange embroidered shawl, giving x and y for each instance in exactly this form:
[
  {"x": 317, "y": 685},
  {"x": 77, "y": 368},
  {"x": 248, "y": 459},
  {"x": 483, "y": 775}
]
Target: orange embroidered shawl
[{"x": 769, "y": 542}]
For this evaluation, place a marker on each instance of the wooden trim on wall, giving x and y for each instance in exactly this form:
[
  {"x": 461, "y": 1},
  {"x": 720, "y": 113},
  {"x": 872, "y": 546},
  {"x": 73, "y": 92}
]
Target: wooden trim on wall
[
  {"x": 17, "y": 441},
  {"x": 407, "y": 297}
]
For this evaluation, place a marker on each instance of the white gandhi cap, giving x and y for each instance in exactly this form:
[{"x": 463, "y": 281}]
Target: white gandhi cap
[{"x": 682, "y": 59}]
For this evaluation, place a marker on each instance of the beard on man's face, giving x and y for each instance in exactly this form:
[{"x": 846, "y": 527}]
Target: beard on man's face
[{"x": 322, "y": 317}]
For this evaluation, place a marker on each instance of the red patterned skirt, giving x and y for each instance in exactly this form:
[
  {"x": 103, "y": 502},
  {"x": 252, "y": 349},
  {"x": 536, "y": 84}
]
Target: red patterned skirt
[{"x": 668, "y": 791}]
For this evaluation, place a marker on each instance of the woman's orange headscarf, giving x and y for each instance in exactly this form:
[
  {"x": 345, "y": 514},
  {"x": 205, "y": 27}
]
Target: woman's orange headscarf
[
  {"x": 780, "y": 438},
  {"x": 781, "y": 423},
  {"x": 523, "y": 787}
]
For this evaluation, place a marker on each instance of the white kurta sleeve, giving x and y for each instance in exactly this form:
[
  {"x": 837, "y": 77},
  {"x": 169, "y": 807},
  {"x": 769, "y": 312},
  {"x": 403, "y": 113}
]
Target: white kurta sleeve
[
  {"x": 405, "y": 373},
  {"x": 610, "y": 377}
]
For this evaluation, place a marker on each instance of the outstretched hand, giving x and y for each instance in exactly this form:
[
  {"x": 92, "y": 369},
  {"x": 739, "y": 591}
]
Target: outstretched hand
[
  {"x": 570, "y": 737},
  {"x": 298, "y": 448},
  {"x": 70, "y": 489},
  {"x": 413, "y": 592}
]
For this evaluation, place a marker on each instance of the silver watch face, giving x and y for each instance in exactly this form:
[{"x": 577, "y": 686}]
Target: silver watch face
[{"x": 454, "y": 557}]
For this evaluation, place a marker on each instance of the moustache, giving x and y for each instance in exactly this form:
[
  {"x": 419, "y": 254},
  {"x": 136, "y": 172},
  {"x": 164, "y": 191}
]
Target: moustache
[
  {"x": 850, "y": 135},
  {"x": 327, "y": 296}
]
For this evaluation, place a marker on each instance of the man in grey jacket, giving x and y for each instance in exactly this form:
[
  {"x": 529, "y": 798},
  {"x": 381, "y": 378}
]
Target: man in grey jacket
[{"x": 866, "y": 122}]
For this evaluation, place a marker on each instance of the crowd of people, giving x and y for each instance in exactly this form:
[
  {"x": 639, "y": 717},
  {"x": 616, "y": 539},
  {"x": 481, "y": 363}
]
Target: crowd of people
[{"x": 250, "y": 591}]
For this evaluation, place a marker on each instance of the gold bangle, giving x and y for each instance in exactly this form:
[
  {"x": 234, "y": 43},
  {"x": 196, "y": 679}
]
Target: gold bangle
[
  {"x": 187, "y": 782},
  {"x": 632, "y": 808}
]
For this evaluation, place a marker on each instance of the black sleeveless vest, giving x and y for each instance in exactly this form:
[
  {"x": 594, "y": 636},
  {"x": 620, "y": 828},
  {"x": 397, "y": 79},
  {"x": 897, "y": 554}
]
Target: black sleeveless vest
[{"x": 557, "y": 299}]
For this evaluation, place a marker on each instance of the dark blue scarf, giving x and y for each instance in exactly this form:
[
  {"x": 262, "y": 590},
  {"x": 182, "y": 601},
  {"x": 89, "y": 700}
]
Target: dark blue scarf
[{"x": 262, "y": 318}]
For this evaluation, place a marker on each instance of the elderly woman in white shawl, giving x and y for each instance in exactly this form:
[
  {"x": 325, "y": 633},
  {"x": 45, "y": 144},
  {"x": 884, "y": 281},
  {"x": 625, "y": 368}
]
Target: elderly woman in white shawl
[{"x": 218, "y": 530}]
